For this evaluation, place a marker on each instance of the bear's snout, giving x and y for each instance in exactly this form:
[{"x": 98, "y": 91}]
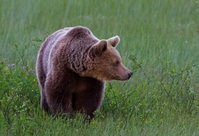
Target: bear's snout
[
  {"x": 130, "y": 74},
  {"x": 123, "y": 73}
]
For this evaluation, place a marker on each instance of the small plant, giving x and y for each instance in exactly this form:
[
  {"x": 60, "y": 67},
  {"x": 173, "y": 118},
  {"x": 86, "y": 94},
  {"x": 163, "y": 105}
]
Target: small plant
[
  {"x": 179, "y": 88},
  {"x": 18, "y": 92}
]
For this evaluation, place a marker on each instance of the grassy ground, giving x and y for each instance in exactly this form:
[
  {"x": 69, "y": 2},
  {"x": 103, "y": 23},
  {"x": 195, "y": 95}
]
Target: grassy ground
[{"x": 159, "y": 41}]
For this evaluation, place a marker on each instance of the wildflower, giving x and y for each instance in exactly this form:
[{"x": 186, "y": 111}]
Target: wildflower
[
  {"x": 24, "y": 67},
  {"x": 11, "y": 65},
  {"x": 31, "y": 71}
]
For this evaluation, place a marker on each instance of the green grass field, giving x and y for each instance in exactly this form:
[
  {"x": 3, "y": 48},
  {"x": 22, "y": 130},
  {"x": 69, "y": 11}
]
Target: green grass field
[{"x": 159, "y": 41}]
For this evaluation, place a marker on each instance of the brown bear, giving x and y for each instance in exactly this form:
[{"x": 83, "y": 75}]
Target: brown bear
[{"x": 72, "y": 68}]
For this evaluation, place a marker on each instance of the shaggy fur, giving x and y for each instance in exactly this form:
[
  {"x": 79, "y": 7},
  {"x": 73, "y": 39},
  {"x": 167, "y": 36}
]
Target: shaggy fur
[{"x": 72, "y": 67}]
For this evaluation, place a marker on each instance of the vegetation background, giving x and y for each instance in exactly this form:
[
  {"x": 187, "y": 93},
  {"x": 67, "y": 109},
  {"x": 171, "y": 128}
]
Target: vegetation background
[{"x": 159, "y": 41}]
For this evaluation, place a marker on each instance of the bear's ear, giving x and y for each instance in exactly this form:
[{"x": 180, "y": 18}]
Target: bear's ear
[
  {"x": 98, "y": 49},
  {"x": 114, "y": 41}
]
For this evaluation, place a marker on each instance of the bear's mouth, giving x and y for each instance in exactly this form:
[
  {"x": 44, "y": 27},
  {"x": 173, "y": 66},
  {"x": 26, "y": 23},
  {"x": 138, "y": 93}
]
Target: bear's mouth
[{"x": 123, "y": 77}]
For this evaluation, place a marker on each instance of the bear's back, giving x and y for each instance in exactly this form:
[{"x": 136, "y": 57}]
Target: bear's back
[
  {"x": 50, "y": 42},
  {"x": 74, "y": 37}
]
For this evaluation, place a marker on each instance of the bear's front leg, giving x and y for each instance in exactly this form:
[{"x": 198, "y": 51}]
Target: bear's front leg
[
  {"x": 89, "y": 100},
  {"x": 59, "y": 99}
]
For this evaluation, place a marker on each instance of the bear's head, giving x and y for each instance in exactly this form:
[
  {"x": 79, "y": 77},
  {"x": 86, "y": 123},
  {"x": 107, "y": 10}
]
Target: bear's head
[{"x": 104, "y": 61}]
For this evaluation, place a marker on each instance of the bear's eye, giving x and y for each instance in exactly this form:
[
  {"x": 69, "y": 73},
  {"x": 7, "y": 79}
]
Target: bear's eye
[{"x": 115, "y": 64}]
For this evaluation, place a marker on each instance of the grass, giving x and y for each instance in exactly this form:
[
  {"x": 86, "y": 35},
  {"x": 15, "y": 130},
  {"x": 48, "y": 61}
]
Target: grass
[{"x": 159, "y": 41}]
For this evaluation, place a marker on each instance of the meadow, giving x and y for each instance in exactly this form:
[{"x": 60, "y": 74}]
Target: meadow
[{"x": 159, "y": 42}]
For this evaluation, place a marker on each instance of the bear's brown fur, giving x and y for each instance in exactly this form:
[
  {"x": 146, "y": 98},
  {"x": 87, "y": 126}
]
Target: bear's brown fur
[{"x": 72, "y": 67}]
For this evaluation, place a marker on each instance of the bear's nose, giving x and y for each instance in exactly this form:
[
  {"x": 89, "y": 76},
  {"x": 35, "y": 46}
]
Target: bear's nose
[{"x": 130, "y": 74}]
